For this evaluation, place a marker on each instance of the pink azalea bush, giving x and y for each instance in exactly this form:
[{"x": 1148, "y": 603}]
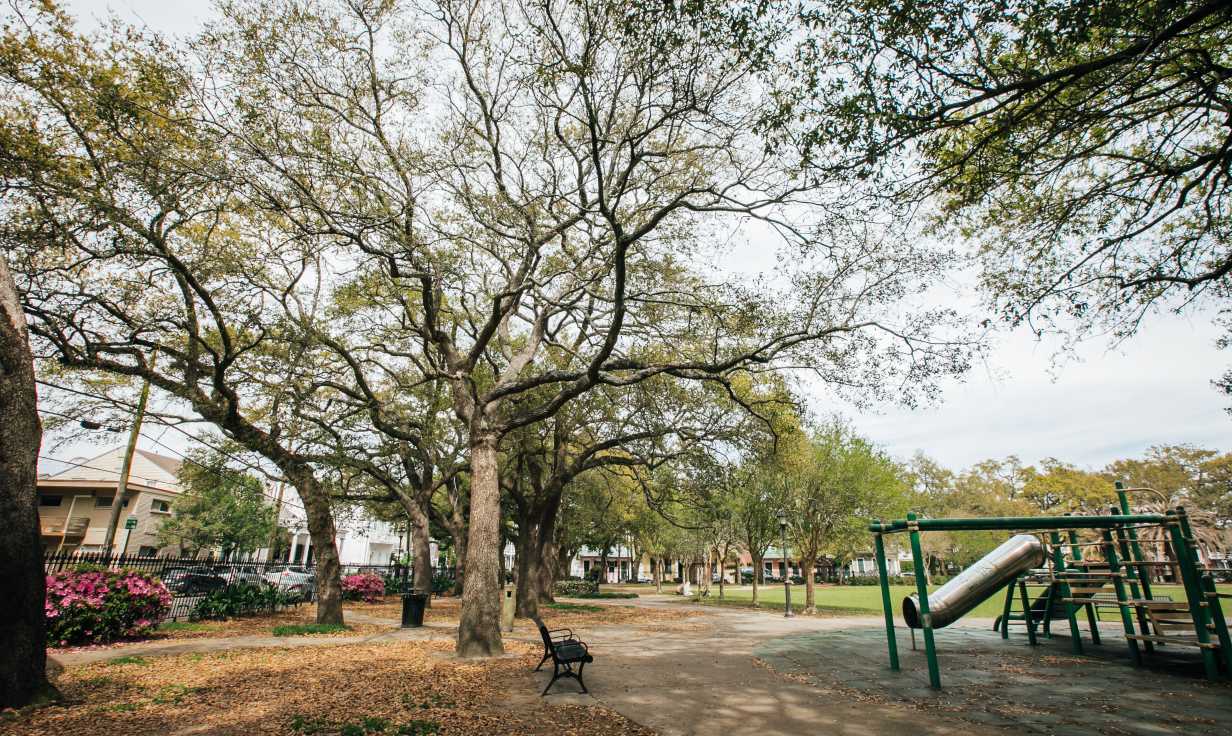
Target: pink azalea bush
[
  {"x": 91, "y": 605},
  {"x": 365, "y": 586}
]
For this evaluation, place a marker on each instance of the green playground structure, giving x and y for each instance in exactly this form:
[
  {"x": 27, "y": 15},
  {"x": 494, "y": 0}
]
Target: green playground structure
[{"x": 1074, "y": 582}]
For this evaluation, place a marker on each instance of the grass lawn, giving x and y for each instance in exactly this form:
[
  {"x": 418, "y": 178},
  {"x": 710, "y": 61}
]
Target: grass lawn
[{"x": 866, "y": 599}]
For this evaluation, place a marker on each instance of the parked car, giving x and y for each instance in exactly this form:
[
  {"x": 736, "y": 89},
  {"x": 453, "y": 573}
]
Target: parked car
[
  {"x": 246, "y": 574},
  {"x": 192, "y": 580},
  {"x": 293, "y": 580}
]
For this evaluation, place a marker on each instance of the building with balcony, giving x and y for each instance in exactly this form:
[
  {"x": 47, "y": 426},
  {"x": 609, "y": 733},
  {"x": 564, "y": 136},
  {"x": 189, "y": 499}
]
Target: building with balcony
[{"x": 75, "y": 503}]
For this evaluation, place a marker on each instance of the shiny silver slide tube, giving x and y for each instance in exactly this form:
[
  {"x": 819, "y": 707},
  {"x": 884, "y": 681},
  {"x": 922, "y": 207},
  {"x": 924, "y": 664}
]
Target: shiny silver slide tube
[{"x": 993, "y": 572}]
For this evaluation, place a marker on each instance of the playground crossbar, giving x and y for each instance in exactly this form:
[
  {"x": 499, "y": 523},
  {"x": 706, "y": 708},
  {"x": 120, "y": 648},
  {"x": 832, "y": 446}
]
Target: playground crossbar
[{"x": 1016, "y": 523}]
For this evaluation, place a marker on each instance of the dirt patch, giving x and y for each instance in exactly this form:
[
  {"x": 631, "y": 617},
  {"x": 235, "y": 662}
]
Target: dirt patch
[{"x": 378, "y": 687}]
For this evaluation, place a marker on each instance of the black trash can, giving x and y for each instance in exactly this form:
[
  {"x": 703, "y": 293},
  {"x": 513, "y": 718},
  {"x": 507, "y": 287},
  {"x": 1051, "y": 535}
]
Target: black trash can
[{"x": 413, "y": 605}]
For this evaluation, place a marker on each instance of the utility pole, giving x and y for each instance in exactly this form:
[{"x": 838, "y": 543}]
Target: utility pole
[{"x": 117, "y": 503}]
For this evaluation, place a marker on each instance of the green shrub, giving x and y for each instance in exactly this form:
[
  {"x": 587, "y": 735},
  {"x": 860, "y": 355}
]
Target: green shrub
[
  {"x": 241, "y": 599},
  {"x": 397, "y": 585},
  {"x": 442, "y": 581},
  {"x": 575, "y": 587}
]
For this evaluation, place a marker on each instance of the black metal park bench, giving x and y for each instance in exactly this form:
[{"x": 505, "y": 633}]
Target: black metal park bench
[{"x": 564, "y": 651}]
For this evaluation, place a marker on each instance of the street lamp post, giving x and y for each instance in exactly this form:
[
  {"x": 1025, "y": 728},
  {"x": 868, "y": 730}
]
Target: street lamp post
[{"x": 786, "y": 578}]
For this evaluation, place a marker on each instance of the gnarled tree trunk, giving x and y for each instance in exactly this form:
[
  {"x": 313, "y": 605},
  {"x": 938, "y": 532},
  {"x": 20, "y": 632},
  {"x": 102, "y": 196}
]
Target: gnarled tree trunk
[
  {"x": 479, "y": 630},
  {"x": 323, "y": 532},
  {"x": 536, "y": 530},
  {"x": 421, "y": 546},
  {"x": 23, "y": 628}
]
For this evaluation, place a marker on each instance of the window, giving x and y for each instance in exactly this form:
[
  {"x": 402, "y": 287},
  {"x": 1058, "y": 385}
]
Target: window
[
  {"x": 104, "y": 502},
  {"x": 50, "y": 500},
  {"x": 160, "y": 506},
  {"x": 147, "y": 552},
  {"x": 860, "y": 565}
]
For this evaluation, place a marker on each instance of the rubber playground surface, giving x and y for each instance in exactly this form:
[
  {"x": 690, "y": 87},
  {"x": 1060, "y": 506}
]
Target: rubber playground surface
[{"x": 988, "y": 681}]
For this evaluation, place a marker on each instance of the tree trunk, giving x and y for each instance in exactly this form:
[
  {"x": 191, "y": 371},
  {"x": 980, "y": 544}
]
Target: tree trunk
[
  {"x": 530, "y": 564},
  {"x": 479, "y": 632},
  {"x": 322, "y": 531},
  {"x": 757, "y": 562},
  {"x": 657, "y": 564},
  {"x": 421, "y": 549},
  {"x": 810, "y": 587},
  {"x": 536, "y": 530},
  {"x": 23, "y": 626},
  {"x": 549, "y": 571},
  {"x": 564, "y": 563}
]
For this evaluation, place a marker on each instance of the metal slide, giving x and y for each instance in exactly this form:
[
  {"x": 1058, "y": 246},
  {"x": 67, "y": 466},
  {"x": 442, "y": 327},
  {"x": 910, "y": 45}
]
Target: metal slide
[{"x": 993, "y": 572}]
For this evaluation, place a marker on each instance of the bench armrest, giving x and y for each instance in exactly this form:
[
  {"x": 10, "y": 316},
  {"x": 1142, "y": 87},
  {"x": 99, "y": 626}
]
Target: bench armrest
[{"x": 564, "y": 633}]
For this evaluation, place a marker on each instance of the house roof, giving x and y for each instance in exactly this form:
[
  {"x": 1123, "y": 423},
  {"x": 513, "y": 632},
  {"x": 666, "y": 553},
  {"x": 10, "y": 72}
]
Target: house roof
[{"x": 149, "y": 469}]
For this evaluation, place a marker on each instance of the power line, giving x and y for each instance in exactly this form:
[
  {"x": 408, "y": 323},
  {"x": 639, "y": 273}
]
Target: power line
[
  {"x": 179, "y": 454},
  {"x": 157, "y": 420},
  {"x": 211, "y": 471}
]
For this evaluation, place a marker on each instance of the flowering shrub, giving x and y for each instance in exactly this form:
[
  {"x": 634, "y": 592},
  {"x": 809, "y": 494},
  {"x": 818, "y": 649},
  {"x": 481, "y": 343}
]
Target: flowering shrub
[
  {"x": 91, "y": 605},
  {"x": 365, "y": 586}
]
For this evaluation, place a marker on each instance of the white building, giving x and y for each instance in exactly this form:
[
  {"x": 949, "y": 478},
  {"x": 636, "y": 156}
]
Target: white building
[
  {"x": 75, "y": 503},
  {"x": 361, "y": 538}
]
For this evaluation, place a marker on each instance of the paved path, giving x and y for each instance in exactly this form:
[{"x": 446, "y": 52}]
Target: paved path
[{"x": 707, "y": 681}]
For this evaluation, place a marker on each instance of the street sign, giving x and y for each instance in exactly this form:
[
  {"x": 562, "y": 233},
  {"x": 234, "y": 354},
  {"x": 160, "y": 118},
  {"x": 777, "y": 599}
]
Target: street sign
[{"x": 130, "y": 522}]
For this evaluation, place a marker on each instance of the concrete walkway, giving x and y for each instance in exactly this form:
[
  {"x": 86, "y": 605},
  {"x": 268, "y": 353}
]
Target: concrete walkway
[{"x": 707, "y": 681}]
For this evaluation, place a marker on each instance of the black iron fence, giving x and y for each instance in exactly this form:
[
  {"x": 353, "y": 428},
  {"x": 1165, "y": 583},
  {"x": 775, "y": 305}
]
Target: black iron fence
[{"x": 211, "y": 585}]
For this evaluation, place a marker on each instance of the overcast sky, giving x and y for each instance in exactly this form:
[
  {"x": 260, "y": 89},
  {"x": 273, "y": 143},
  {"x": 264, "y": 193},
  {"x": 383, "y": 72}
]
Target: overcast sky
[{"x": 1155, "y": 389}]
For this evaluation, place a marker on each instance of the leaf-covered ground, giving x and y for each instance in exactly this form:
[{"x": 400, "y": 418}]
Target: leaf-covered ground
[
  {"x": 575, "y": 613},
  {"x": 412, "y": 687}
]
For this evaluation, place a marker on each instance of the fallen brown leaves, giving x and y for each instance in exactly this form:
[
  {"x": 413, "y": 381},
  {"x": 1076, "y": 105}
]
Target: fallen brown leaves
[
  {"x": 448, "y": 610},
  {"x": 270, "y": 691}
]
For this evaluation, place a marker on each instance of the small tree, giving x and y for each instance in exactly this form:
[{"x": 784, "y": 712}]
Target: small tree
[
  {"x": 755, "y": 498},
  {"x": 842, "y": 482},
  {"x": 218, "y": 508}
]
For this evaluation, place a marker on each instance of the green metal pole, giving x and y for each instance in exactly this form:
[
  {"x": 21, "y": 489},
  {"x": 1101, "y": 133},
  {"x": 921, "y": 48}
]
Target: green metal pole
[
  {"x": 886, "y": 605},
  {"x": 1058, "y": 565},
  {"x": 1018, "y": 523},
  {"x": 1131, "y": 551},
  {"x": 921, "y": 586},
  {"x": 1210, "y": 595},
  {"x": 1075, "y": 551},
  {"x": 1007, "y": 608},
  {"x": 1127, "y": 620},
  {"x": 1193, "y": 592},
  {"x": 1026, "y": 608},
  {"x": 1144, "y": 570}
]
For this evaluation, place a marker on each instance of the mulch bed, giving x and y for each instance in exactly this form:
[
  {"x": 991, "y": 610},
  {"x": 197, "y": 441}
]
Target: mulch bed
[{"x": 375, "y": 687}]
